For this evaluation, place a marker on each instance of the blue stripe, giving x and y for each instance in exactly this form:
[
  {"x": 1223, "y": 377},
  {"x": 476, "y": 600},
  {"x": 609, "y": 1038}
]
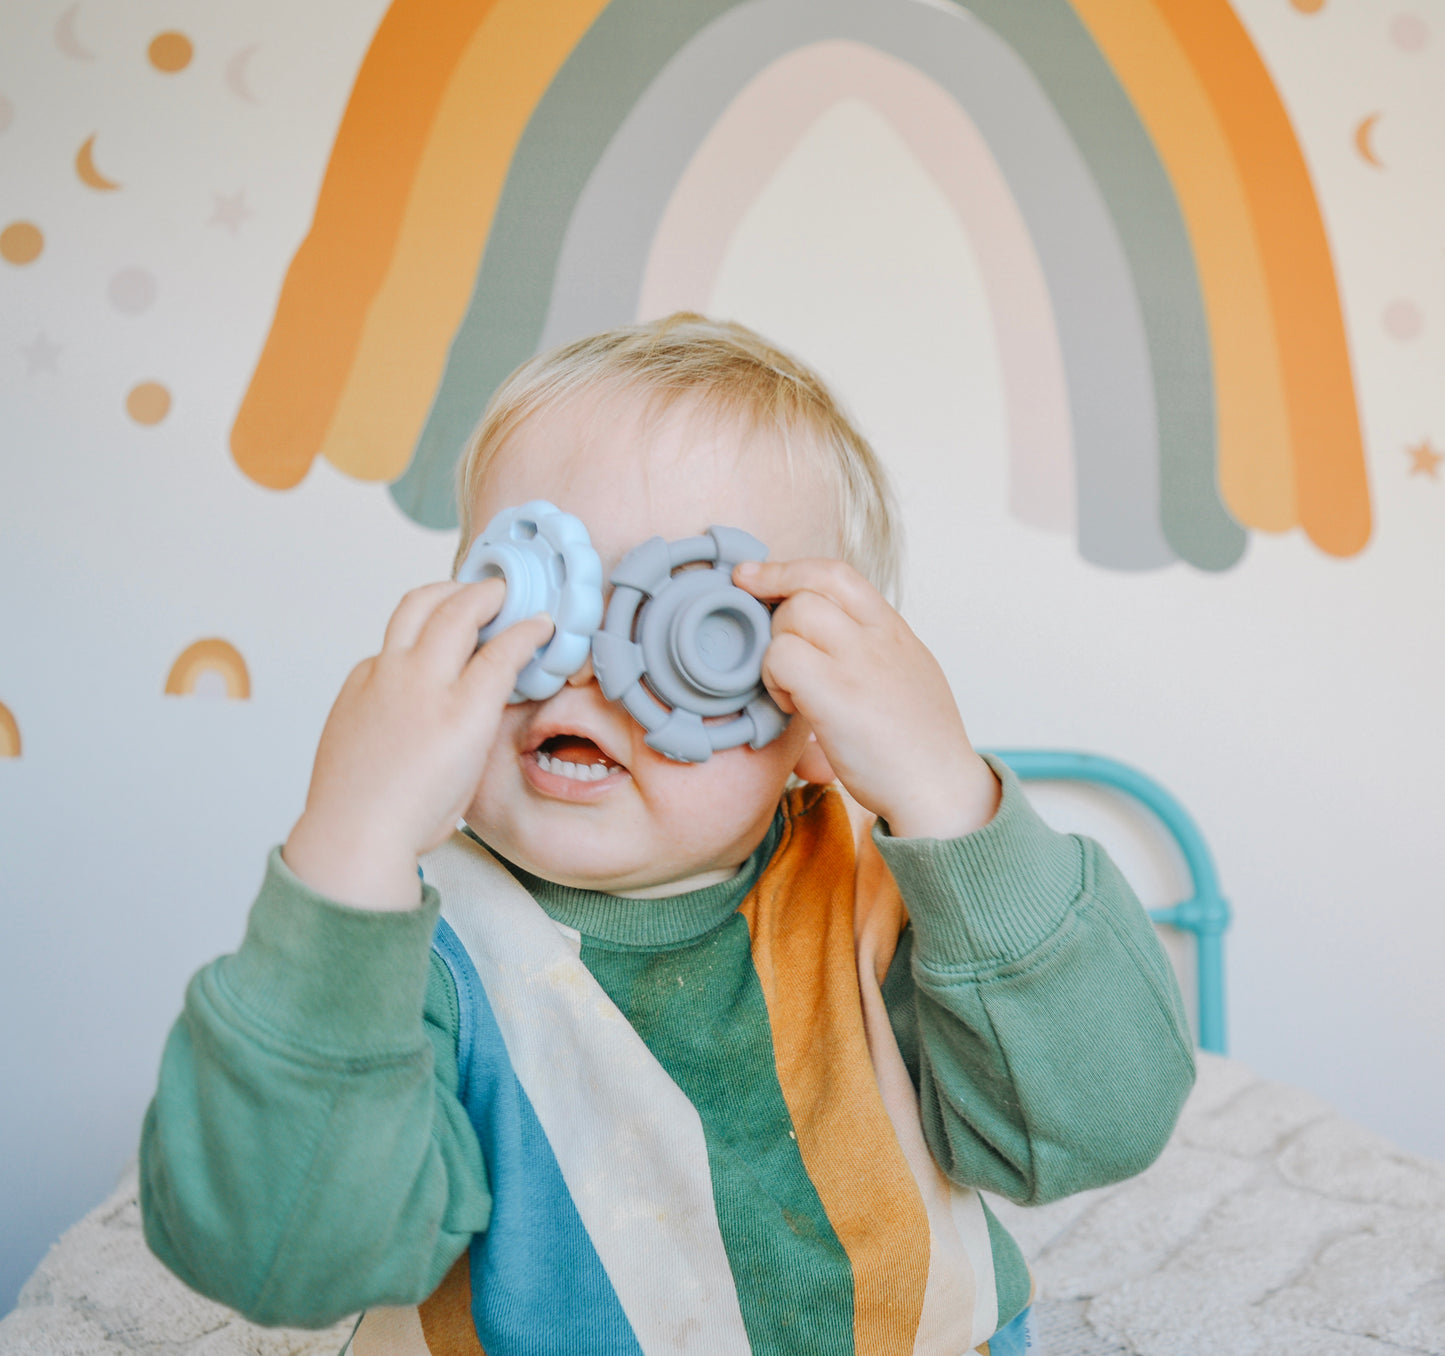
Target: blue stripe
[
  {"x": 448, "y": 946},
  {"x": 538, "y": 1285},
  {"x": 1015, "y": 1338}
]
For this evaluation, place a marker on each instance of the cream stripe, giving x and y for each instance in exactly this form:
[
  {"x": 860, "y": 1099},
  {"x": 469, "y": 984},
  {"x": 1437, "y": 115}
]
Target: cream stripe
[
  {"x": 960, "y": 1303},
  {"x": 972, "y": 1226},
  {"x": 629, "y": 1145},
  {"x": 389, "y": 1332},
  {"x": 960, "y": 1271}
]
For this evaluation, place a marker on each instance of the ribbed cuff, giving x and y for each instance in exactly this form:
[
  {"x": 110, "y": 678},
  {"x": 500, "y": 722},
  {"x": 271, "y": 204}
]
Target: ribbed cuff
[
  {"x": 993, "y": 895},
  {"x": 341, "y": 982}
]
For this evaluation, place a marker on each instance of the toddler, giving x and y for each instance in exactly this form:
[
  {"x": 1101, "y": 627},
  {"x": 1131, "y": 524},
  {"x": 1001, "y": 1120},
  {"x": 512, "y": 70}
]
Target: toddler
[{"x": 659, "y": 1056}]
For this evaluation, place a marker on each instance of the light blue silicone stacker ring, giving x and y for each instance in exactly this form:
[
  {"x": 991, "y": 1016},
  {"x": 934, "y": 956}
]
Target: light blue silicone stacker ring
[
  {"x": 546, "y": 559},
  {"x": 692, "y": 638}
]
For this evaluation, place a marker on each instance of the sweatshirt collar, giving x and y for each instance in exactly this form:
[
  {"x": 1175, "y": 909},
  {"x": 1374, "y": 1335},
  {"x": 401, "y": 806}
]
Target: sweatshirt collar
[{"x": 671, "y": 920}]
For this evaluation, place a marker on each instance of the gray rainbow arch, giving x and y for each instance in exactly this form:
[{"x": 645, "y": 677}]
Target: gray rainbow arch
[{"x": 617, "y": 128}]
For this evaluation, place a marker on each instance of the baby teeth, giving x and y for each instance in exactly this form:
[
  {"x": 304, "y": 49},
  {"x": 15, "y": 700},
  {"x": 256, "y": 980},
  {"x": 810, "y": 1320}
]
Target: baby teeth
[{"x": 578, "y": 772}]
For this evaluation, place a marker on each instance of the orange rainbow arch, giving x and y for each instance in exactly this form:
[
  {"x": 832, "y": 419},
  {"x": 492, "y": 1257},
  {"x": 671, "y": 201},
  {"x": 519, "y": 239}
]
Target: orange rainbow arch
[
  {"x": 482, "y": 135},
  {"x": 211, "y": 655},
  {"x": 428, "y": 136},
  {"x": 1332, "y": 501},
  {"x": 9, "y": 733},
  {"x": 1256, "y": 472}
]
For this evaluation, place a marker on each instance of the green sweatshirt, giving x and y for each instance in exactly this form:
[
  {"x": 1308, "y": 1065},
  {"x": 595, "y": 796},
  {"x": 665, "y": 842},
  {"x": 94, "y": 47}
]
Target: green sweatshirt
[{"x": 353, "y": 1098}]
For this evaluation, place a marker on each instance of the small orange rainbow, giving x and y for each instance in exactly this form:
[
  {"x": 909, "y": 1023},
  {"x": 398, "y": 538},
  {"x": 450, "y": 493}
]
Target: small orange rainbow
[
  {"x": 211, "y": 655},
  {"x": 9, "y": 734}
]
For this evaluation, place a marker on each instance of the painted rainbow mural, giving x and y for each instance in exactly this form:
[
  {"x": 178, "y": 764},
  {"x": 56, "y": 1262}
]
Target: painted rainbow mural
[{"x": 508, "y": 176}]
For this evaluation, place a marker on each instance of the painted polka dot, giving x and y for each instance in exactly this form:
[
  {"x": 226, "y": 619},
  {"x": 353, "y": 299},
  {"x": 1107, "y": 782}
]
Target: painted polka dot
[
  {"x": 148, "y": 403},
  {"x": 1409, "y": 32},
  {"x": 1403, "y": 319},
  {"x": 132, "y": 290},
  {"x": 170, "y": 52},
  {"x": 21, "y": 242},
  {"x": 1308, "y": 6}
]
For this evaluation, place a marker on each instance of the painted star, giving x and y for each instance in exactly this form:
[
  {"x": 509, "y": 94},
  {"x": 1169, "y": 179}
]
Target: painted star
[
  {"x": 1424, "y": 459},
  {"x": 231, "y": 210},
  {"x": 41, "y": 355}
]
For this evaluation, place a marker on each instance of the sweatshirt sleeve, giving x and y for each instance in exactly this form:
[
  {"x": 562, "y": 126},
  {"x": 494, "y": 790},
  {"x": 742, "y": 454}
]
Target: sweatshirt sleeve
[
  {"x": 306, "y": 1155},
  {"x": 1035, "y": 1007}
]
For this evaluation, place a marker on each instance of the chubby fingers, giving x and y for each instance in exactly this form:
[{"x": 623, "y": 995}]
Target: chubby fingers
[
  {"x": 792, "y": 664},
  {"x": 419, "y": 607},
  {"x": 840, "y": 583},
  {"x": 823, "y": 602},
  {"x": 491, "y": 673},
  {"x": 411, "y": 613},
  {"x": 449, "y": 634},
  {"x": 819, "y": 621}
]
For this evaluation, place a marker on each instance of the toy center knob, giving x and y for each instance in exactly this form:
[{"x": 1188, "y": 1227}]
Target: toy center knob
[
  {"x": 714, "y": 642},
  {"x": 679, "y": 645},
  {"x": 546, "y": 559}
]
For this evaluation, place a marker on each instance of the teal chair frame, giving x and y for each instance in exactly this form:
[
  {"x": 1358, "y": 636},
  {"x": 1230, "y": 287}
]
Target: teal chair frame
[{"x": 1206, "y": 913}]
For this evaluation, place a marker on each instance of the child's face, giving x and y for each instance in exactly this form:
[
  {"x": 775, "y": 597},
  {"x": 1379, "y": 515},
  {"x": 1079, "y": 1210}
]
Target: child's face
[{"x": 652, "y": 822}]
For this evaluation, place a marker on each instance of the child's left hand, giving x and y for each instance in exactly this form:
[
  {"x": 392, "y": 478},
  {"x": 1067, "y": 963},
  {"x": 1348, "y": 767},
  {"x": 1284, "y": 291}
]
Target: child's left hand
[{"x": 876, "y": 698}]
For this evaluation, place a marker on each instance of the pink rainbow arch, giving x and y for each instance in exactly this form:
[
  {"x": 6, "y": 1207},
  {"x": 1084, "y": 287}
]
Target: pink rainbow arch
[{"x": 761, "y": 127}]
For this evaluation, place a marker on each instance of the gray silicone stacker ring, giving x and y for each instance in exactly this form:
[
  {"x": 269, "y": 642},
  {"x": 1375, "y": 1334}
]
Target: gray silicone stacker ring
[
  {"x": 693, "y": 639},
  {"x": 546, "y": 558}
]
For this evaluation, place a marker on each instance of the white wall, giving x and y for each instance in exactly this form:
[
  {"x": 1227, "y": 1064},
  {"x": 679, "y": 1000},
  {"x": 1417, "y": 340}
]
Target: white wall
[{"x": 1294, "y": 703}]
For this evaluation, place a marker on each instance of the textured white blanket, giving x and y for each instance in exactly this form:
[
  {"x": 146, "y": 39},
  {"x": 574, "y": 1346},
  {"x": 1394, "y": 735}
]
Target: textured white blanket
[{"x": 1269, "y": 1225}]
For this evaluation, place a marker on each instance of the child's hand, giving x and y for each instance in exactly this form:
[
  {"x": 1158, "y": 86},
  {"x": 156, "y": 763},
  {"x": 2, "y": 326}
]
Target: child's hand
[
  {"x": 406, "y": 742},
  {"x": 875, "y": 696}
]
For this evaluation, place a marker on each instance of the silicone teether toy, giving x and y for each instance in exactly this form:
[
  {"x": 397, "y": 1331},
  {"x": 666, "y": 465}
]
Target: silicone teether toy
[
  {"x": 695, "y": 640},
  {"x": 546, "y": 558}
]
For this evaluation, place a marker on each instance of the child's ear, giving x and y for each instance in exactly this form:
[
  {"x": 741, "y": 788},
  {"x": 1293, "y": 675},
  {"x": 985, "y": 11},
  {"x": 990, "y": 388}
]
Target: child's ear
[{"x": 813, "y": 765}]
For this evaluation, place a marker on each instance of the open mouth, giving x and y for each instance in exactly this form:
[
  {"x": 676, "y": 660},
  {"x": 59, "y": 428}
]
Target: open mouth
[{"x": 574, "y": 757}]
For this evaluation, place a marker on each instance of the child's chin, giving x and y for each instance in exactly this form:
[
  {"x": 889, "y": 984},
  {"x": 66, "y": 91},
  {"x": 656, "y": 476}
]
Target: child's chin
[{"x": 582, "y": 859}]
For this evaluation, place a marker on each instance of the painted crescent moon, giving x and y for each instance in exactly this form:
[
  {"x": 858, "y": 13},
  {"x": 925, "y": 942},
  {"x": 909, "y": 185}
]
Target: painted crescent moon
[
  {"x": 85, "y": 167},
  {"x": 1362, "y": 140},
  {"x": 236, "y": 73},
  {"x": 65, "y": 38}
]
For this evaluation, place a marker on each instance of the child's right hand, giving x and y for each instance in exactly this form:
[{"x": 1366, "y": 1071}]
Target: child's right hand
[{"x": 405, "y": 744}]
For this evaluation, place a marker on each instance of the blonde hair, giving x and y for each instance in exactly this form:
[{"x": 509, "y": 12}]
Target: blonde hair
[{"x": 732, "y": 373}]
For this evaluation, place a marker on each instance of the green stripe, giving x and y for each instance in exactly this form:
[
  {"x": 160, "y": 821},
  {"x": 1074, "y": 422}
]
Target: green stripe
[
  {"x": 1010, "y": 1271},
  {"x": 700, "y": 1010},
  {"x": 596, "y": 87}
]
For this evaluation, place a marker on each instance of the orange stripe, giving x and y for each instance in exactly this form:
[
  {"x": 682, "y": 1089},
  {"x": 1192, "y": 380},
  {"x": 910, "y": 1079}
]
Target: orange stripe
[
  {"x": 340, "y": 264},
  {"x": 1256, "y": 467},
  {"x": 446, "y": 1318},
  {"x": 1331, "y": 486},
  {"x": 808, "y": 972},
  {"x": 401, "y": 351}
]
